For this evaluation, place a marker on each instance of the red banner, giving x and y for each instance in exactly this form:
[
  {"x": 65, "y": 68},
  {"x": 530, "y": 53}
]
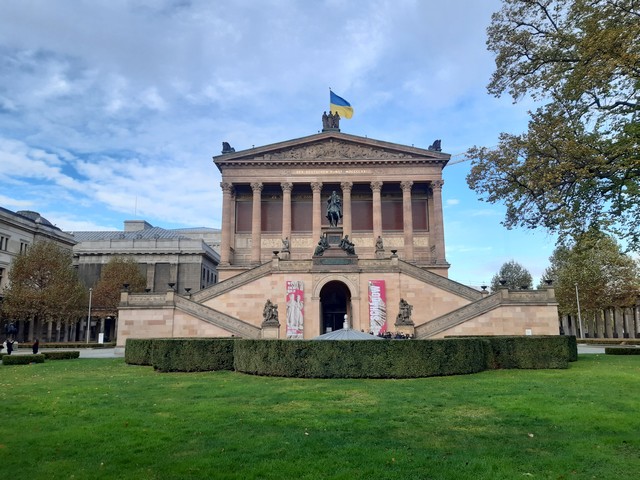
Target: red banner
[
  {"x": 295, "y": 309},
  {"x": 377, "y": 307}
]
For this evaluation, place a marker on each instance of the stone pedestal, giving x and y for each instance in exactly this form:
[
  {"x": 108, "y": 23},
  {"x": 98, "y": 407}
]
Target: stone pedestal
[
  {"x": 270, "y": 330},
  {"x": 406, "y": 329}
]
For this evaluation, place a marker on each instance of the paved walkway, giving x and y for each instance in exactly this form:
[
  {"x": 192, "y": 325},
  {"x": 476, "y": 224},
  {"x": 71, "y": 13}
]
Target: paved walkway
[{"x": 84, "y": 352}]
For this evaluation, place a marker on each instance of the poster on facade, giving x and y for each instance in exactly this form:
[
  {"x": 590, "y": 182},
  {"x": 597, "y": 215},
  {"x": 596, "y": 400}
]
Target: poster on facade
[
  {"x": 377, "y": 307},
  {"x": 295, "y": 309}
]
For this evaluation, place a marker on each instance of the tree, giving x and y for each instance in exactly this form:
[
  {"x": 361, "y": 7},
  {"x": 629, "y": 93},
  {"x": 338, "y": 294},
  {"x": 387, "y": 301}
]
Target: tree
[
  {"x": 117, "y": 272},
  {"x": 605, "y": 275},
  {"x": 514, "y": 274},
  {"x": 43, "y": 287},
  {"x": 577, "y": 166}
]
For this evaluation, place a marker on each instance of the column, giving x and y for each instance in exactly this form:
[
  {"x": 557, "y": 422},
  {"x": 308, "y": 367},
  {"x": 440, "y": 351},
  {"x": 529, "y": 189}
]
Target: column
[
  {"x": 346, "y": 207},
  {"x": 438, "y": 223},
  {"x": 225, "y": 240},
  {"x": 256, "y": 222},
  {"x": 376, "y": 187},
  {"x": 286, "y": 209},
  {"x": 316, "y": 187},
  {"x": 407, "y": 220}
]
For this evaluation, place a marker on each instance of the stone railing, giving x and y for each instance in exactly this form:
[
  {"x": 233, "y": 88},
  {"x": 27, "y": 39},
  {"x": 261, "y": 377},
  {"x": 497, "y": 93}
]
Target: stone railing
[
  {"x": 230, "y": 324},
  {"x": 477, "y": 308},
  {"x": 232, "y": 283},
  {"x": 439, "y": 281},
  {"x": 456, "y": 317}
]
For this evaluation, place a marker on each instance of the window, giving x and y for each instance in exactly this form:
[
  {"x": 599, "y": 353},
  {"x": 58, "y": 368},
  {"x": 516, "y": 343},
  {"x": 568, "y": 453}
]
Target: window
[
  {"x": 4, "y": 243},
  {"x": 23, "y": 246}
]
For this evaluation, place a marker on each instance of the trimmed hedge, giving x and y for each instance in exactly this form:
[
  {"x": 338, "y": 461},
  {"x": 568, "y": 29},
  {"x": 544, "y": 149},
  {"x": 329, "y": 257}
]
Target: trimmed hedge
[
  {"x": 62, "y": 355},
  {"x": 531, "y": 352},
  {"x": 137, "y": 351},
  {"x": 622, "y": 351},
  {"x": 192, "y": 355},
  {"x": 353, "y": 359},
  {"x": 360, "y": 359},
  {"x": 610, "y": 341},
  {"x": 22, "y": 359}
]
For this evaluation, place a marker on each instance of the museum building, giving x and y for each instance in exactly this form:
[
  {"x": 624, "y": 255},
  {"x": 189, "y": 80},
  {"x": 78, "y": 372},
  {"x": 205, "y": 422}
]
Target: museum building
[{"x": 327, "y": 228}]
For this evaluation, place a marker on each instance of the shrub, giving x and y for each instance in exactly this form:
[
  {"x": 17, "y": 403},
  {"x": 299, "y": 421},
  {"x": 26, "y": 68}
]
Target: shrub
[
  {"x": 137, "y": 351},
  {"x": 192, "y": 355},
  {"x": 22, "y": 359},
  {"x": 353, "y": 359},
  {"x": 622, "y": 351},
  {"x": 360, "y": 359},
  {"x": 551, "y": 351},
  {"x": 531, "y": 352},
  {"x": 61, "y": 355}
]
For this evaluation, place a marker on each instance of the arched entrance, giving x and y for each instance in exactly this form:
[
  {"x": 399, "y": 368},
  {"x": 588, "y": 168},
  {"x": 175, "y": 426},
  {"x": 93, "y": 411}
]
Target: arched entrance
[{"x": 335, "y": 303}]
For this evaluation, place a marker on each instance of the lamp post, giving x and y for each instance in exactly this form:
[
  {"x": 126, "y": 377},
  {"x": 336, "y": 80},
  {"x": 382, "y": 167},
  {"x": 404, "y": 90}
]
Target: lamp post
[
  {"x": 89, "y": 315},
  {"x": 579, "y": 316}
]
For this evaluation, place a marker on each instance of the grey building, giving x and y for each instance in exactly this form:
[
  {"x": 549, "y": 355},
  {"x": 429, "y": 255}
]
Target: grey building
[
  {"x": 19, "y": 230},
  {"x": 186, "y": 258}
]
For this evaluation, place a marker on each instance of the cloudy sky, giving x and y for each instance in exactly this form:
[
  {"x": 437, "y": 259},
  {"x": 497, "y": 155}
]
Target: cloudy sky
[{"x": 112, "y": 109}]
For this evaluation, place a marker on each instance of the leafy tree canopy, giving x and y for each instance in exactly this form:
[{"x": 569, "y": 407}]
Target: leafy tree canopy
[
  {"x": 117, "y": 272},
  {"x": 43, "y": 285},
  {"x": 578, "y": 165},
  {"x": 514, "y": 274},
  {"x": 605, "y": 276}
]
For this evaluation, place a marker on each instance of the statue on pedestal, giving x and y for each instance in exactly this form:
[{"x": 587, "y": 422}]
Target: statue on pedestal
[
  {"x": 347, "y": 245},
  {"x": 323, "y": 244},
  {"x": 404, "y": 315},
  {"x": 334, "y": 209}
]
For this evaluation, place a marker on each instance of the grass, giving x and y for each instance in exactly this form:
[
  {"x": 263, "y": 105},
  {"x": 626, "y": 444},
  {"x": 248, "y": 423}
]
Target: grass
[{"x": 102, "y": 418}]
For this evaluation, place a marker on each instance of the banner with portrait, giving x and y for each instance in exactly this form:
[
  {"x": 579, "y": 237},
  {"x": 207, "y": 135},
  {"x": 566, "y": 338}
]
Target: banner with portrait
[
  {"x": 295, "y": 309},
  {"x": 377, "y": 307}
]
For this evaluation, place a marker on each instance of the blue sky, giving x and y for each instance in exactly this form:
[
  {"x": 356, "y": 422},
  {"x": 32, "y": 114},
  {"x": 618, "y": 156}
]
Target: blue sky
[{"x": 112, "y": 110}]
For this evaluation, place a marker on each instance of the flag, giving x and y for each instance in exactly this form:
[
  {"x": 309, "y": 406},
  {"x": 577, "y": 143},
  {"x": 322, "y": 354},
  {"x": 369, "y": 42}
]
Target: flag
[{"x": 340, "y": 106}]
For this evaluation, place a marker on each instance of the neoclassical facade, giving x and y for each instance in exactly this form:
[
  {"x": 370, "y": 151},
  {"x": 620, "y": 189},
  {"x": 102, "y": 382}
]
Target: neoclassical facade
[
  {"x": 279, "y": 191},
  {"x": 334, "y": 228}
]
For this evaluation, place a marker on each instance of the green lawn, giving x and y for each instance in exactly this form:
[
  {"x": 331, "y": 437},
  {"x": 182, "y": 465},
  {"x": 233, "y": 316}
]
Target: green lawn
[{"x": 90, "y": 419}]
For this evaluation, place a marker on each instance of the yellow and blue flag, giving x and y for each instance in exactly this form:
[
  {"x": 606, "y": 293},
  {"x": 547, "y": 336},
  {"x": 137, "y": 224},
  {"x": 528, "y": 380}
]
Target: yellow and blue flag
[{"x": 340, "y": 105}]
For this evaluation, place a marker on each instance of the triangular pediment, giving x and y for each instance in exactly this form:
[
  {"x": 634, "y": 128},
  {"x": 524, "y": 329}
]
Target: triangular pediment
[{"x": 331, "y": 146}]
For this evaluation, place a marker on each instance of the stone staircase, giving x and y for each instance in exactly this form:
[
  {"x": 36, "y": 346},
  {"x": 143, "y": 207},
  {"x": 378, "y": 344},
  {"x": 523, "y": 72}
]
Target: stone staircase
[
  {"x": 231, "y": 283},
  {"x": 439, "y": 281},
  {"x": 231, "y": 324},
  {"x": 456, "y": 317}
]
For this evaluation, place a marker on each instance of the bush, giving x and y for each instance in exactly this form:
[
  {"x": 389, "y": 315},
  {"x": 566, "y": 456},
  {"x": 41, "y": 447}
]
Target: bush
[
  {"x": 352, "y": 359},
  {"x": 530, "y": 352},
  {"x": 622, "y": 351},
  {"x": 22, "y": 359},
  {"x": 137, "y": 351},
  {"x": 61, "y": 355},
  {"x": 360, "y": 359},
  {"x": 553, "y": 351},
  {"x": 192, "y": 355}
]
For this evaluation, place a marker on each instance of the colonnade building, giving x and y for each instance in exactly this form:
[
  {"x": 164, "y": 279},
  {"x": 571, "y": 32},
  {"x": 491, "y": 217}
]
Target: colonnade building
[
  {"x": 328, "y": 230},
  {"x": 279, "y": 192}
]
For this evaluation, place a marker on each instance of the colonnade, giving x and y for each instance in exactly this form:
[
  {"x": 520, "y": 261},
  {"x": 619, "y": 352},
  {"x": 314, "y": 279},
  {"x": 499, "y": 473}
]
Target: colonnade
[{"x": 228, "y": 209}]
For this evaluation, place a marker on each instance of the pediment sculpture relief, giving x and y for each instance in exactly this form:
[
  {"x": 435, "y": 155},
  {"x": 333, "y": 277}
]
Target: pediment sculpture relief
[{"x": 335, "y": 150}]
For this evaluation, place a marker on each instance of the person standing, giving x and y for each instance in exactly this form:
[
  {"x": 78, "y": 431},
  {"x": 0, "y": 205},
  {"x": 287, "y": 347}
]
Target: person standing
[{"x": 35, "y": 346}]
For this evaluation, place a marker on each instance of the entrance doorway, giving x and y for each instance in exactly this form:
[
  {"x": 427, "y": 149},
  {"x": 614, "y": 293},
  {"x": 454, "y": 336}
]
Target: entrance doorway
[{"x": 335, "y": 303}]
